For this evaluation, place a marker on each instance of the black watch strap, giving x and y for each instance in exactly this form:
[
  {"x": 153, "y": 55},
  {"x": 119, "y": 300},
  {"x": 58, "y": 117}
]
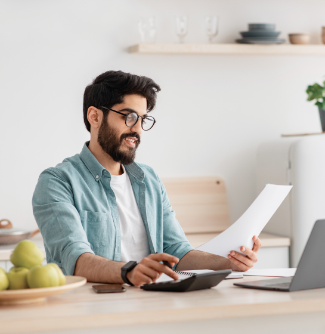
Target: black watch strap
[{"x": 125, "y": 269}]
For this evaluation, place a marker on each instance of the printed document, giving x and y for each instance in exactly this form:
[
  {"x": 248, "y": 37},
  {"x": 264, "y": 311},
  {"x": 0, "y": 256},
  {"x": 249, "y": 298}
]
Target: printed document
[{"x": 249, "y": 224}]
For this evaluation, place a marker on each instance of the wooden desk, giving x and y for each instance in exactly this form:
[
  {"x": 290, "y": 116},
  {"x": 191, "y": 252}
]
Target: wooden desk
[{"x": 83, "y": 311}]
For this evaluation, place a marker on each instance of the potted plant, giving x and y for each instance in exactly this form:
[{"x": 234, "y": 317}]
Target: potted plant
[{"x": 317, "y": 92}]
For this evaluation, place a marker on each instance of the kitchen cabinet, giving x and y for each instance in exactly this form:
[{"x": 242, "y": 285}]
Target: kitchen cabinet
[{"x": 273, "y": 254}]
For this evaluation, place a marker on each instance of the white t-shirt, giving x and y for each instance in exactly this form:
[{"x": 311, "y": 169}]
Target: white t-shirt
[{"x": 134, "y": 240}]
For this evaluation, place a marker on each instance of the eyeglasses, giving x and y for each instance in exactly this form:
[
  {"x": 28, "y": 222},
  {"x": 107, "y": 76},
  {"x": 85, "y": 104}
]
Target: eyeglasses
[{"x": 147, "y": 122}]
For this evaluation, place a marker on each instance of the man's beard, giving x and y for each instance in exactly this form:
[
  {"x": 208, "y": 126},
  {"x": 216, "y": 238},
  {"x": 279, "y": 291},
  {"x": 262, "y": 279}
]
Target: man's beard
[{"x": 111, "y": 144}]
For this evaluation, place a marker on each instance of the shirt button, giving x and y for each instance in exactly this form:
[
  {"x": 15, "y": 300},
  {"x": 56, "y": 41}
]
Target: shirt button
[{"x": 97, "y": 176}]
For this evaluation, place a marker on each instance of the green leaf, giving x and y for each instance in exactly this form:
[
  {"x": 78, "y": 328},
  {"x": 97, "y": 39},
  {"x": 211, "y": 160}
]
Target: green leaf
[{"x": 315, "y": 92}]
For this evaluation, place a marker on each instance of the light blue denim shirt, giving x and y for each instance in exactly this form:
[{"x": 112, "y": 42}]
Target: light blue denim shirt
[{"x": 76, "y": 211}]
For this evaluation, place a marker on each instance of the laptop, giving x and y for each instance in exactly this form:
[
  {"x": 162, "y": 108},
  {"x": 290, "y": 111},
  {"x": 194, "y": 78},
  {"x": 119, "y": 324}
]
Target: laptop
[{"x": 310, "y": 272}]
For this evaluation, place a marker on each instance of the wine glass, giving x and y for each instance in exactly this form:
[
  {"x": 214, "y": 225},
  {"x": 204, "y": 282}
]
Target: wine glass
[
  {"x": 211, "y": 27},
  {"x": 181, "y": 27},
  {"x": 147, "y": 30}
]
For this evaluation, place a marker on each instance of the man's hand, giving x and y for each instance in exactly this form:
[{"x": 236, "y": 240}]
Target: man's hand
[
  {"x": 150, "y": 269},
  {"x": 241, "y": 262}
]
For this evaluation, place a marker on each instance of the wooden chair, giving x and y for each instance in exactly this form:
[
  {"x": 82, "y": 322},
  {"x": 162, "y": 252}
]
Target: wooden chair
[{"x": 201, "y": 206}]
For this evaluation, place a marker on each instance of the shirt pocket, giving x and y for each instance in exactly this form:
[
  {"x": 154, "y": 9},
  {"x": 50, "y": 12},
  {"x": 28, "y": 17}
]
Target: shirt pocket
[{"x": 100, "y": 231}]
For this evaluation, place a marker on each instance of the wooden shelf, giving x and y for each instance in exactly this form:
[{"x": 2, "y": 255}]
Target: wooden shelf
[
  {"x": 229, "y": 49},
  {"x": 302, "y": 134}
]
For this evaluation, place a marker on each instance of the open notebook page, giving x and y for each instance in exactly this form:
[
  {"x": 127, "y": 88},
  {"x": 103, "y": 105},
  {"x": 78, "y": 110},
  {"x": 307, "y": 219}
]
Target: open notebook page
[
  {"x": 269, "y": 272},
  {"x": 189, "y": 273}
]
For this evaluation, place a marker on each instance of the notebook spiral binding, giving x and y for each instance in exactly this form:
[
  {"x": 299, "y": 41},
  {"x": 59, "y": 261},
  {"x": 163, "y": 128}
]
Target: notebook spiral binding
[{"x": 185, "y": 273}]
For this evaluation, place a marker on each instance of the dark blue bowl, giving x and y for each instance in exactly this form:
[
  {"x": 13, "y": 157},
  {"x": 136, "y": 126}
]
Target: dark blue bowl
[
  {"x": 261, "y": 26},
  {"x": 259, "y": 33}
]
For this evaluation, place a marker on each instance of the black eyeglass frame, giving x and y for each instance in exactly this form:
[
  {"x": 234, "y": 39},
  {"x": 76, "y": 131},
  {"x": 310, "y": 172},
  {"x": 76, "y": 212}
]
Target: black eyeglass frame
[{"x": 138, "y": 116}]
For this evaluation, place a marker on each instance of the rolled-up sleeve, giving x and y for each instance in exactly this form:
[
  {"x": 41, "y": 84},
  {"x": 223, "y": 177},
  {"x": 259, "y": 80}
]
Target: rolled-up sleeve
[
  {"x": 59, "y": 221},
  {"x": 175, "y": 241}
]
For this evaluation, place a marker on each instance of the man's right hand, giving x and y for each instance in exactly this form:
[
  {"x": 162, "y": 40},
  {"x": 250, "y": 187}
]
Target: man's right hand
[{"x": 150, "y": 269}]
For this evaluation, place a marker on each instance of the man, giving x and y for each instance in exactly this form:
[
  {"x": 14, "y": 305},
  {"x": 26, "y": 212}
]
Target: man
[{"x": 107, "y": 218}]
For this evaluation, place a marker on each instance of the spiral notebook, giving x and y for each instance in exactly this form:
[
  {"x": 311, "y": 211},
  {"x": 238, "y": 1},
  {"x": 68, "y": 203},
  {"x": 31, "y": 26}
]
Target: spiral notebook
[{"x": 190, "y": 273}]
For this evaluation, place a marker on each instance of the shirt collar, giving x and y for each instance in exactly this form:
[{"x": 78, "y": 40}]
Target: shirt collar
[
  {"x": 96, "y": 169},
  {"x": 135, "y": 170}
]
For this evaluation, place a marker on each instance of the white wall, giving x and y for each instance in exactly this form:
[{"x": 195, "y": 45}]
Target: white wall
[{"x": 212, "y": 113}]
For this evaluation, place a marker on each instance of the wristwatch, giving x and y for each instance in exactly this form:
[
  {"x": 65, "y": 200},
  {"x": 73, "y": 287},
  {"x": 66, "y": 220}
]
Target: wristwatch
[{"x": 125, "y": 269}]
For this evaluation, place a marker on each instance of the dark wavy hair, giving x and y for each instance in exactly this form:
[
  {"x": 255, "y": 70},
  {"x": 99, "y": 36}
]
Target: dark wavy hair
[{"x": 110, "y": 88}]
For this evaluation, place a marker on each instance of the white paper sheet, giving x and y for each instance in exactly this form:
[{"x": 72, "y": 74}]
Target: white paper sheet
[
  {"x": 235, "y": 274},
  {"x": 249, "y": 224},
  {"x": 272, "y": 272}
]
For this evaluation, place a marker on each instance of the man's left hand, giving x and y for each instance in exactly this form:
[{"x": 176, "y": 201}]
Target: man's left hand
[{"x": 241, "y": 262}]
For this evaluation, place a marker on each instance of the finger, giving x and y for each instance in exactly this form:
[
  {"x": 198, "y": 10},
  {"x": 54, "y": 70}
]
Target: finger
[
  {"x": 153, "y": 274},
  {"x": 164, "y": 257},
  {"x": 163, "y": 269},
  {"x": 156, "y": 278},
  {"x": 257, "y": 243},
  {"x": 242, "y": 258},
  {"x": 159, "y": 267},
  {"x": 241, "y": 266},
  {"x": 250, "y": 254},
  {"x": 140, "y": 279}
]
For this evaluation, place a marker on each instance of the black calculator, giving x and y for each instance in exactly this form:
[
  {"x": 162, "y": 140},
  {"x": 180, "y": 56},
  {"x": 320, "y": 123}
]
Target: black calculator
[{"x": 195, "y": 282}]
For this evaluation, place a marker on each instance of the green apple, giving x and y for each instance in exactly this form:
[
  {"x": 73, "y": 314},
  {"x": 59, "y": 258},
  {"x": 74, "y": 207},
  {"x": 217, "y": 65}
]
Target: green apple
[
  {"x": 27, "y": 255},
  {"x": 43, "y": 277},
  {"x": 4, "y": 282},
  {"x": 18, "y": 278},
  {"x": 60, "y": 273}
]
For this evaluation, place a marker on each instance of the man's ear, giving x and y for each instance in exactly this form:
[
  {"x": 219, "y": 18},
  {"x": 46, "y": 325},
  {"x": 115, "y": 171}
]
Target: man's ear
[{"x": 94, "y": 117}]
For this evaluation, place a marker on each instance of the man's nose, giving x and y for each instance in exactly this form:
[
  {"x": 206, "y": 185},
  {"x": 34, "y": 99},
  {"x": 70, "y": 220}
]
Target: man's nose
[{"x": 137, "y": 127}]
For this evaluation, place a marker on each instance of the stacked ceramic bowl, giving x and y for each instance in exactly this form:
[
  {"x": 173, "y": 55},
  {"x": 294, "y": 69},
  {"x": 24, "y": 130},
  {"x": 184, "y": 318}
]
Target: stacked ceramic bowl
[{"x": 260, "y": 33}]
